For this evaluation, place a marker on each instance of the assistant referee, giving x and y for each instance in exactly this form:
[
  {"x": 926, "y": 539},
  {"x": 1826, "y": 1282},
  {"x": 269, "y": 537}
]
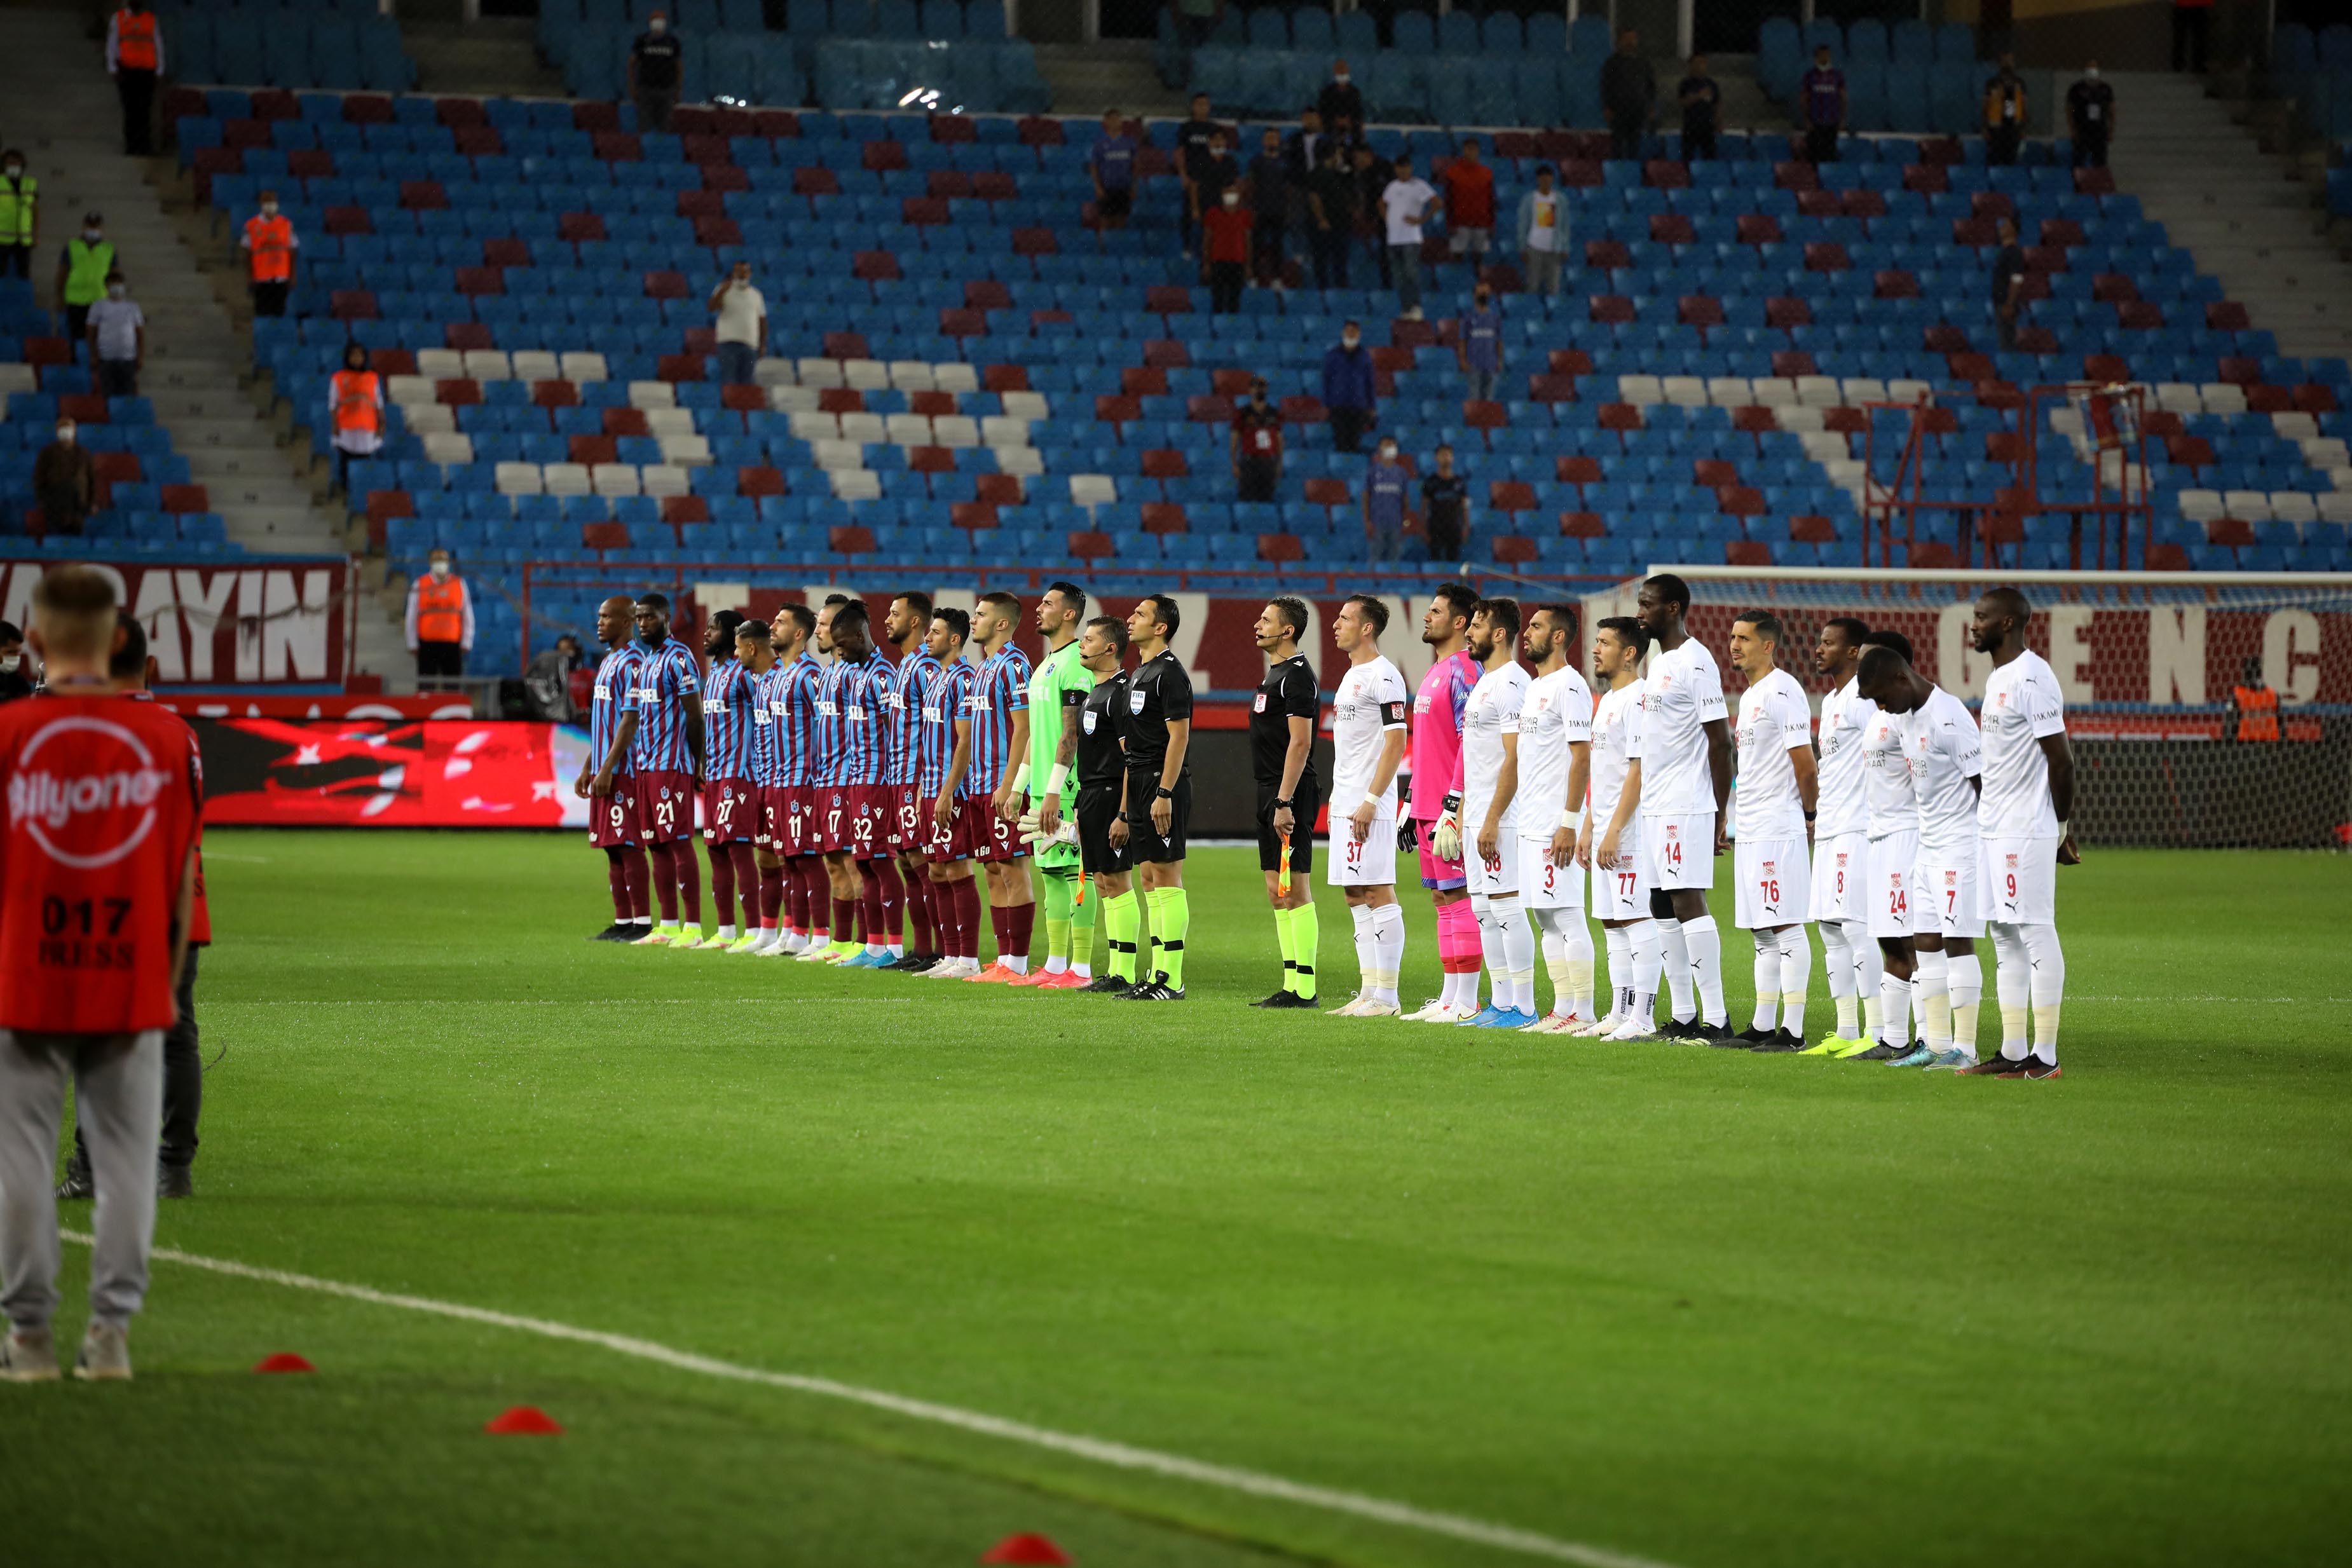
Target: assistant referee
[
  {"x": 1102, "y": 785},
  {"x": 1156, "y": 727},
  {"x": 1282, "y": 755}
]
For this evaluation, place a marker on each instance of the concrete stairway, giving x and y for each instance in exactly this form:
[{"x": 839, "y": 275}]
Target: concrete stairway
[
  {"x": 494, "y": 55},
  {"x": 1087, "y": 79},
  {"x": 2248, "y": 222}
]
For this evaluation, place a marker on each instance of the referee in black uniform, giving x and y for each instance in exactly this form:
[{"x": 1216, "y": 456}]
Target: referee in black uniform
[
  {"x": 1102, "y": 781},
  {"x": 1157, "y": 728},
  {"x": 1282, "y": 755}
]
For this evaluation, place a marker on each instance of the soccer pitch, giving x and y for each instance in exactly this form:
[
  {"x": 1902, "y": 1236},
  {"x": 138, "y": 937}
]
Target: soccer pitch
[{"x": 1690, "y": 1307}]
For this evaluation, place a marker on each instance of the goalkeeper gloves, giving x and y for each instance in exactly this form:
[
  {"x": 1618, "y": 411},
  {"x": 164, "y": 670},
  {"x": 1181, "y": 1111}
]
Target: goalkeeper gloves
[
  {"x": 1408, "y": 835},
  {"x": 1065, "y": 832},
  {"x": 1445, "y": 838}
]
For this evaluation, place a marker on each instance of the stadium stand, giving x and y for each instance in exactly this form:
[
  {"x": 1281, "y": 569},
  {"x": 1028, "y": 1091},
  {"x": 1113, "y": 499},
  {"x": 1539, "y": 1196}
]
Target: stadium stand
[{"x": 292, "y": 45}]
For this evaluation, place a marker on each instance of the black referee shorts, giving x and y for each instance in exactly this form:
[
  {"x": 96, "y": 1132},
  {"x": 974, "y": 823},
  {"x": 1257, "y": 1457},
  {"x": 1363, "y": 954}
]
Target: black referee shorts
[
  {"x": 1142, "y": 843},
  {"x": 1097, "y": 810},
  {"x": 1303, "y": 807}
]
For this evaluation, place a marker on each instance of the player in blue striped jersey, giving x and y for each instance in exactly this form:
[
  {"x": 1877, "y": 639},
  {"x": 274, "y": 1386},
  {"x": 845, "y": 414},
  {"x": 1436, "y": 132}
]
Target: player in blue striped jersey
[
  {"x": 605, "y": 782},
  {"x": 905, "y": 628},
  {"x": 666, "y": 750},
  {"x": 844, "y": 755},
  {"x": 942, "y": 769},
  {"x": 1000, "y": 769},
  {"x": 731, "y": 798},
  {"x": 808, "y": 904},
  {"x": 762, "y": 885}
]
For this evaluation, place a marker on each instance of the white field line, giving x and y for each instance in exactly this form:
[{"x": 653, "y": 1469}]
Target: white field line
[{"x": 1119, "y": 1455}]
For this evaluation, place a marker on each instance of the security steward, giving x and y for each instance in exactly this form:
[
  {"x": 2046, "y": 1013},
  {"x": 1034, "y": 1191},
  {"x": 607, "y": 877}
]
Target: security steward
[
  {"x": 1281, "y": 759},
  {"x": 82, "y": 267},
  {"x": 355, "y": 402},
  {"x": 1102, "y": 779},
  {"x": 20, "y": 215},
  {"x": 135, "y": 58},
  {"x": 2254, "y": 706},
  {"x": 1157, "y": 728},
  {"x": 269, "y": 244},
  {"x": 1256, "y": 446},
  {"x": 440, "y": 621}
]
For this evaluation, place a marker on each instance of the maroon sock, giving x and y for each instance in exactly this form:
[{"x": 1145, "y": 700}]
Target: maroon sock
[
  {"x": 747, "y": 883},
  {"x": 966, "y": 908},
  {"x": 869, "y": 907},
  {"x": 943, "y": 919},
  {"x": 998, "y": 929},
  {"x": 616, "y": 872},
  {"x": 633, "y": 866},
  {"x": 722, "y": 881},
  {"x": 918, "y": 915},
  {"x": 665, "y": 878},
  {"x": 890, "y": 898},
  {"x": 816, "y": 895},
  {"x": 689, "y": 880},
  {"x": 844, "y": 918},
  {"x": 1022, "y": 919},
  {"x": 772, "y": 893}
]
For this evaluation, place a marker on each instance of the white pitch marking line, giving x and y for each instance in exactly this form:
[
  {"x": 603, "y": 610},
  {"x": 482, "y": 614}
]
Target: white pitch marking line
[{"x": 1119, "y": 1455}]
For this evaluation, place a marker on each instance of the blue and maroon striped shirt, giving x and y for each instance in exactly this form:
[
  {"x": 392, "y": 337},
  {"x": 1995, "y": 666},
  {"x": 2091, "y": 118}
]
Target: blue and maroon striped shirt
[
  {"x": 794, "y": 707},
  {"x": 667, "y": 676},
  {"x": 861, "y": 691},
  {"x": 911, "y": 688},
  {"x": 948, "y": 699},
  {"x": 726, "y": 703},
  {"x": 1002, "y": 691},
  {"x": 616, "y": 676},
  {"x": 761, "y": 698},
  {"x": 828, "y": 763}
]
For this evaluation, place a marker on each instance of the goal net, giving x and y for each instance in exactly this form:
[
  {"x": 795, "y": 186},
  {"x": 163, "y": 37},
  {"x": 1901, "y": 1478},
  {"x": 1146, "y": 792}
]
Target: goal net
[{"x": 2150, "y": 662}]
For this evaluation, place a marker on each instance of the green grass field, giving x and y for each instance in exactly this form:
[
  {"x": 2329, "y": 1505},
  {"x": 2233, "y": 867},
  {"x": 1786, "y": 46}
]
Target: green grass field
[{"x": 1695, "y": 1307}]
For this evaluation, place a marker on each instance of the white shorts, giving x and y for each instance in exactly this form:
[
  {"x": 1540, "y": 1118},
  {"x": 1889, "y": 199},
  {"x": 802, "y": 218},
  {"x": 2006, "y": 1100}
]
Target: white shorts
[
  {"x": 1953, "y": 895},
  {"x": 2021, "y": 880},
  {"x": 1621, "y": 891},
  {"x": 1681, "y": 848},
  {"x": 1893, "y": 910},
  {"x": 1500, "y": 880},
  {"x": 1774, "y": 884},
  {"x": 1543, "y": 885},
  {"x": 1841, "y": 868},
  {"x": 1372, "y": 863}
]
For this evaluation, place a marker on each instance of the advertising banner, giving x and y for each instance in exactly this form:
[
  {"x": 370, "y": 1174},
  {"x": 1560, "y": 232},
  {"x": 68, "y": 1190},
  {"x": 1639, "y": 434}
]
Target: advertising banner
[
  {"x": 424, "y": 773},
  {"x": 268, "y": 622}
]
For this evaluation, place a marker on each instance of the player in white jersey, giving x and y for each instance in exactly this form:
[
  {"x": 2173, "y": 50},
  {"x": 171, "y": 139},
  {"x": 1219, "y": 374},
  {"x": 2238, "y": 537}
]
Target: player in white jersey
[
  {"x": 1773, "y": 878},
  {"x": 1890, "y": 871},
  {"x": 1554, "y": 766},
  {"x": 1685, "y": 781},
  {"x": 1945, "y": 762},
  {"x": 1488, "y": 784},
  {"x": 1842, "y": 843},
  {"x": 1368, "y": 732},
  {"x": 2029, "y": 799},
  {"x": 1609, "y": 841}
]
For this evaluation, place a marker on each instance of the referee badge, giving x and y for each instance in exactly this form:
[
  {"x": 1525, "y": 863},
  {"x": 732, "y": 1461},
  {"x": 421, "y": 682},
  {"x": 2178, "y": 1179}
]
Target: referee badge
[
  {"x": 1135, "y": 702},
  {"x": 1258, "y": 705},
  {"x": 1086, "y": 721}
]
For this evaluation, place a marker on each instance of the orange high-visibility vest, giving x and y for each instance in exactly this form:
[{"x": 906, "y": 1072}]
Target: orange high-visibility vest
[
  {"x": 2257, "y": 713},
  {"x": 440, "y": 609},
  {"x": 355, "y": 402},
  {"x": 134, "y": 39},
  {"x": 271, "y": 241}
]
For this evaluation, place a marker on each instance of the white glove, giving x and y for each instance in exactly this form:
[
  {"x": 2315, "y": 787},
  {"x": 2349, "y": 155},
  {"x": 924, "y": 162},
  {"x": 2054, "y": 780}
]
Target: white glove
[
  {"x": 1029, "y": 833},
  {"x": 1446, "y": 838}
]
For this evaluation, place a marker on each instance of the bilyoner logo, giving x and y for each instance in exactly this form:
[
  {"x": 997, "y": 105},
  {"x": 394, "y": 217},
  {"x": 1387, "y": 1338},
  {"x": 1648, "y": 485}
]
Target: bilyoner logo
[{"x": 99, "y": 811}]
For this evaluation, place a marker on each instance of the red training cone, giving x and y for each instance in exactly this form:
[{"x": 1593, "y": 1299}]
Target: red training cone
[
  {"x": 523, "y": 1421},
  {"x": 284, "y": 1360},
  {"x": 1025, "y": 1549}
]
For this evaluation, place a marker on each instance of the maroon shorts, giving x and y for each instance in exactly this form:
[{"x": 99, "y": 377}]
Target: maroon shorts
[
  {"x": 799, "y": 833},
  {"x": 730, "y": 811},
  {"x": 905, "y": 825},
  {"x": 875, "y": 807},
  {"x": 941, "y": 845},
  {"x": 612, "y": 819},
  {"x": 831, "y": 809},
  {"x": 774, "y": 805},
  {"x": 665, "y": 807},
  {"x": 993, "y": 838}
]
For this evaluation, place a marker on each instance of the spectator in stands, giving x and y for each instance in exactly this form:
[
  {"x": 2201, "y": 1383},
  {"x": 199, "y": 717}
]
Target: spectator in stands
[
  {"x": 269, "y": 244},
  {"x": 1405, "y": 205},
  {"x": 1331, "y": 193},
  {"x": 1822, "y": 96},
  {"x": 1349, "y": 389},
  {"x": 1256, "y": 446},
  {"x": 1196, "y": 19},
  {"x": 1224, "y": 250},
  {"x": 118, "y": 339},
  {"x": 654, "y": 61},
  {"x": 1470, "y": 205},
  {"x": 15, "y": 669},
  {"x": 65, "y": 482},
  {"x": 1446, "y": 508},
  {"x": 440, "y": 621},
  {"x": 2004, "y": 114},
  {"x": 1341, "y": 102},
  {"x": 1385, "y": 490},
  {"x": 82, "y": 267},
  {"x": 355, "y": 411},
  {"x": 2253, "y": 707},
  {"x": 1194, "y": 147},
  {"x": 135, "y": 58},
  {"x": 1304, "y": 152},
  {"x": 2091, "y": 118},
  {"x": 742, "y": 330},
  {"x": 20, "y": 216},
  {"x": 1112, "y": 166},
  {"x": 1543, "y": 233},
  {"x": 1701, "y": 96},
  {"x": 1478, "y": 346},
  {"x": 1269, "y": 204},
  {"x": 2192, "y": 28},
  {"x": 1629, "y": 95},
  {"x": 1372, "y": 173},
  {"x": 2008, "y": 283},
  {"x": 547, "y": 683}
]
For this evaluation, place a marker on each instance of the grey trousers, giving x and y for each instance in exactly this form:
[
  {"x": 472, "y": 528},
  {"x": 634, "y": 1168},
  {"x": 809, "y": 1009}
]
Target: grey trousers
[{"x": 119, "y": 1098}]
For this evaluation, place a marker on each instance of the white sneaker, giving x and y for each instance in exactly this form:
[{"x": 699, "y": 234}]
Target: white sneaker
[
  {"x": 105, "y": 1355},
  {"x": 1352, "y": 1008},
  {"x": 1378, "y": 1010},
  {"x": 953, "y": 970},
  {"x": 1436, "y": 1010},
  {"x": 1602, "y": 1028},
  {"x": 1633, "y": 1028},
  {"x": 1556, "y": 1023},
  {"x": 815, "y": 953},
  {"x": 27, "y": 1358}
]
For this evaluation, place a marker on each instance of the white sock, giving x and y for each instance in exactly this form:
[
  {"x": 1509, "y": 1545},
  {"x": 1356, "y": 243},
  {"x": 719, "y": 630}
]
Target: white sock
[
  {"x": 2048, "y": 985},
  {"x": 1964, "y": 977},
  {"x": 1490, "y": 952},
  {"x": 1368, "y": 962},
  {"x": 1674, "y": 962},
  {"x": 1934, "y": 996},
  {"x": 727, "y": 933},
  {"x": 1517, "y": 992},
  {"x": 1647, "y": 961},
  {"x": 1580, "y": 965},
  {"x": 1894, "y": 1010},
  {"x": 1388, "y": 941},
  {"x": 2012, "y": 980},
  {"x": 1055, "y": 965},
  {"x": 1768, "y": 979},
  {"x": 1796, "y": 978},
  {"x": 1870, "y": 970},
  {"x": 1620, "y": 970},
  {"x": 1706, "y": 967},
  {"x": 1838, "y": 966},
  {"x": 1083, "y": 971}
]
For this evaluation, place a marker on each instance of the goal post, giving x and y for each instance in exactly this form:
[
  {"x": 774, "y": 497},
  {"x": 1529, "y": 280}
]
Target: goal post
[{"x": 2148, "y": 662}]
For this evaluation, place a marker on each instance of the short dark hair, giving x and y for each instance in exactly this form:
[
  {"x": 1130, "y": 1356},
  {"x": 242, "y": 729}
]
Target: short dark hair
[
  {"x": 918, "y": 599},
  {"x": 1628, "y": 632},
  {"x": 1001, "y": 599},
  {"x": 1374, "y": 610},
  {"x": 1112, "y": 627},
  {"x": 1072, "y": 594},
  {"x": 958, "y": 622},
  {"x": 1562, "y": 614},
  {"x": 1543, "y": 169},
  {"x": 130, "y": 659},
  {"x": 1671, "y": 589},
  {"x": 1886, "y": 639},
  {"x": 1498, "y": 610},
  {"x": 2011, "y": 602},
  {"x": 1767, "y": 625},
  {"x": 1460, "y": 595},
  {"x": 1875, "y": 660},
  {"x": 850, "y": 616},
  {"x": 11, "y": 633},
  {"x": 835, "y": 600},
  {"x": 1292, "y": 612},
  {"x": 653, "y": 601},
  {"x": 1850, "y": 626},
  {"x": 1164, "y": 611},
  {"x": 803, "y": 617},
  {"x": 757, "y": 631}
]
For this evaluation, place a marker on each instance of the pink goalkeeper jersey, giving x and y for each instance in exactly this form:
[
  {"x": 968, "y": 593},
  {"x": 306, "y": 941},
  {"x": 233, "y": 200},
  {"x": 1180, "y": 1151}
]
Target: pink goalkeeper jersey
[{"x": 1437, "y": 710}]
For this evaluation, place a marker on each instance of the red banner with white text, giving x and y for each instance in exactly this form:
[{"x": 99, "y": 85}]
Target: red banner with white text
[{"x": 270, "y": 621}]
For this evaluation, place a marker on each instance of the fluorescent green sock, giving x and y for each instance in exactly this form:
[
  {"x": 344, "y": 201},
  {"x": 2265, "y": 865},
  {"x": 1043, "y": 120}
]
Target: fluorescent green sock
[
  {"x": 1290, "y": 950},
  {"x": 1305, "y": 929},
  {"x": 1057, "y": 920},
  {"x": 1172, "y": 916},
  {"x": 1121, "y": 917},
  {"x": 1085, "y": 900}
]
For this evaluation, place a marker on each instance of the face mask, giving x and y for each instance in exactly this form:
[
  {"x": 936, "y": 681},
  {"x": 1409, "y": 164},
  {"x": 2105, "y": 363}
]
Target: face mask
[
  {"x": 91, "y": 234},
  {"x": 9, "y": 662},
  {"x": 66, "y": 433},
  {"x": 1349, "y": 341},
  {"x": 116, "y": 291},
  {"x": 16, "y": 169},
  {"x": 1233, "y": 198},
  {"x": 269, "y": 209},
  {"x": 1341, "y": 78},
  {"x": 657, "y": 26},
  {"x": 2091, "y": 74},
  {"x": 1388, "y": 453},
  {"x": 440, "y": 569}
]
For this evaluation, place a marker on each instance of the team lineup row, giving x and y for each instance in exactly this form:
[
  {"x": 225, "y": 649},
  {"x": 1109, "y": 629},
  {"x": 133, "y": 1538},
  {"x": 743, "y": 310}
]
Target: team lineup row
[{"x": 855, "y": 794}]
